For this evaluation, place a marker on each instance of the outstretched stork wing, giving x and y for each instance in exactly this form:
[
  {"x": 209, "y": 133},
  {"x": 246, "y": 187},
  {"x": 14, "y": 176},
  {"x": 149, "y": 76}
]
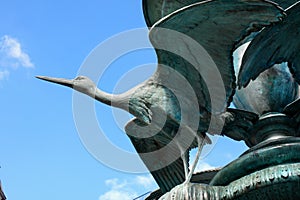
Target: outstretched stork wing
[
  {"x": 217, "y": 26},
  {"x": 154, "y": 10},
  {"x": 197, "y": 42},
  {"x": 285, "y": 3},
  {"x": 166, "y": 168},
  {"x": 274, "y": 45}
]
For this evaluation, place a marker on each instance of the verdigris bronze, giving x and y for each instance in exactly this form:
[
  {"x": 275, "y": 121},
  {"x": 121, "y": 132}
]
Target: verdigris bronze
[
  {"x": 152, "y": 100},
  {"x": 274, "y": 45},
  {"x": 278, "y": 182},
  {"x": 154, "y": 10},
  {"x": 271, "y": 91},
  {"x": 189, "y": 95}
]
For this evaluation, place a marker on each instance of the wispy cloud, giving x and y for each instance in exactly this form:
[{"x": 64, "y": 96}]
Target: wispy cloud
[
  {"x": 12, "y": 54},
  {"x": 204, "y": 166},
  {"x": 145, "y": 181},
  {"x": 4, "y": 75},
  {"x": 118, "y": 190},
  {"x": 130, "y": 189},
  {"x": 127, "y": 189}
]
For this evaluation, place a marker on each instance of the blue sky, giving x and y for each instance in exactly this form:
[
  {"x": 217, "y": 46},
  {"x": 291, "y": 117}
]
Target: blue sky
[{"x": 41, "y": 153}]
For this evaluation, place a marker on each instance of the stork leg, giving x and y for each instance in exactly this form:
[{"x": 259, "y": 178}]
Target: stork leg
[
  {"x": 185, "y": 161},
  {"x": 183, "y": 154},
  {"x": 200, "y": 146}
]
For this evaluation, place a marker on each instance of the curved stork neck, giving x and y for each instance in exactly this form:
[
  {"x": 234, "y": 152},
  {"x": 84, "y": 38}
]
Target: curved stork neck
[{"x": 115, "y": 100}]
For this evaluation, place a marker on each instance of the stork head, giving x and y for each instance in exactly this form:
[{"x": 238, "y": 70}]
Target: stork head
[{"x": 81, "y": 83}]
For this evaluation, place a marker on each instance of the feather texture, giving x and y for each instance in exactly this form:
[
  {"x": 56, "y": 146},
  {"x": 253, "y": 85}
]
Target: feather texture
[
  {"x": 216, "y": 26},
  {"x": 154, "y": 10},
  {"x": 274, "y": 45}
]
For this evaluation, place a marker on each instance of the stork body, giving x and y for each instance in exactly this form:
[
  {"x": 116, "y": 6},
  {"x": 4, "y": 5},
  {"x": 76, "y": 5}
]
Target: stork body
[{"x": 176, "y": 94}]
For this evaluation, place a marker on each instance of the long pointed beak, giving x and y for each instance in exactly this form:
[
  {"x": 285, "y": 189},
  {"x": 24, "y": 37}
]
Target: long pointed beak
[{"x": 60, "y": 81}]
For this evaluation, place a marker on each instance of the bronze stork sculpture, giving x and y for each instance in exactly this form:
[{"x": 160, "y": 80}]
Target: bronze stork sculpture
[
  {"x": 274, "y": 45},
  {"x": 154, "y": 10},
  {"x": 267, "y": 60},
  {"x": 216, "y": 25}
]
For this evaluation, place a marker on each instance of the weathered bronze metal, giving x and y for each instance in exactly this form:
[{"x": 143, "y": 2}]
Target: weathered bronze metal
[
  {"x": 165, "y": 95},
  {"x": 271, "y": 91},
  {"x": 270, "y": 169},
  {"x": 265, "y": 118},
  {"x": 280, "y": 182}
]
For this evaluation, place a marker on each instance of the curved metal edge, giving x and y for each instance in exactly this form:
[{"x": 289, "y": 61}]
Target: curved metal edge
[
  {"x": 149, "y": 17},
  {"x": 280, "y": 182},
  {"x": 268, "y": 156}
]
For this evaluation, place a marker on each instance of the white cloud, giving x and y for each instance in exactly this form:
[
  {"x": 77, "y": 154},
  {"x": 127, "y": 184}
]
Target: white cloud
[
  {"x": 204, "y": 166},
  {"x": 115, "y": 183},
  {"x": 12, "y": 54},
  {"x": 128, "y": 189},
  {"x": 118, "y": 190},
  {"x": 117, "y": 195},
  {"x": 145, "y": 181},
  {"x": 4, "y": 74}
]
